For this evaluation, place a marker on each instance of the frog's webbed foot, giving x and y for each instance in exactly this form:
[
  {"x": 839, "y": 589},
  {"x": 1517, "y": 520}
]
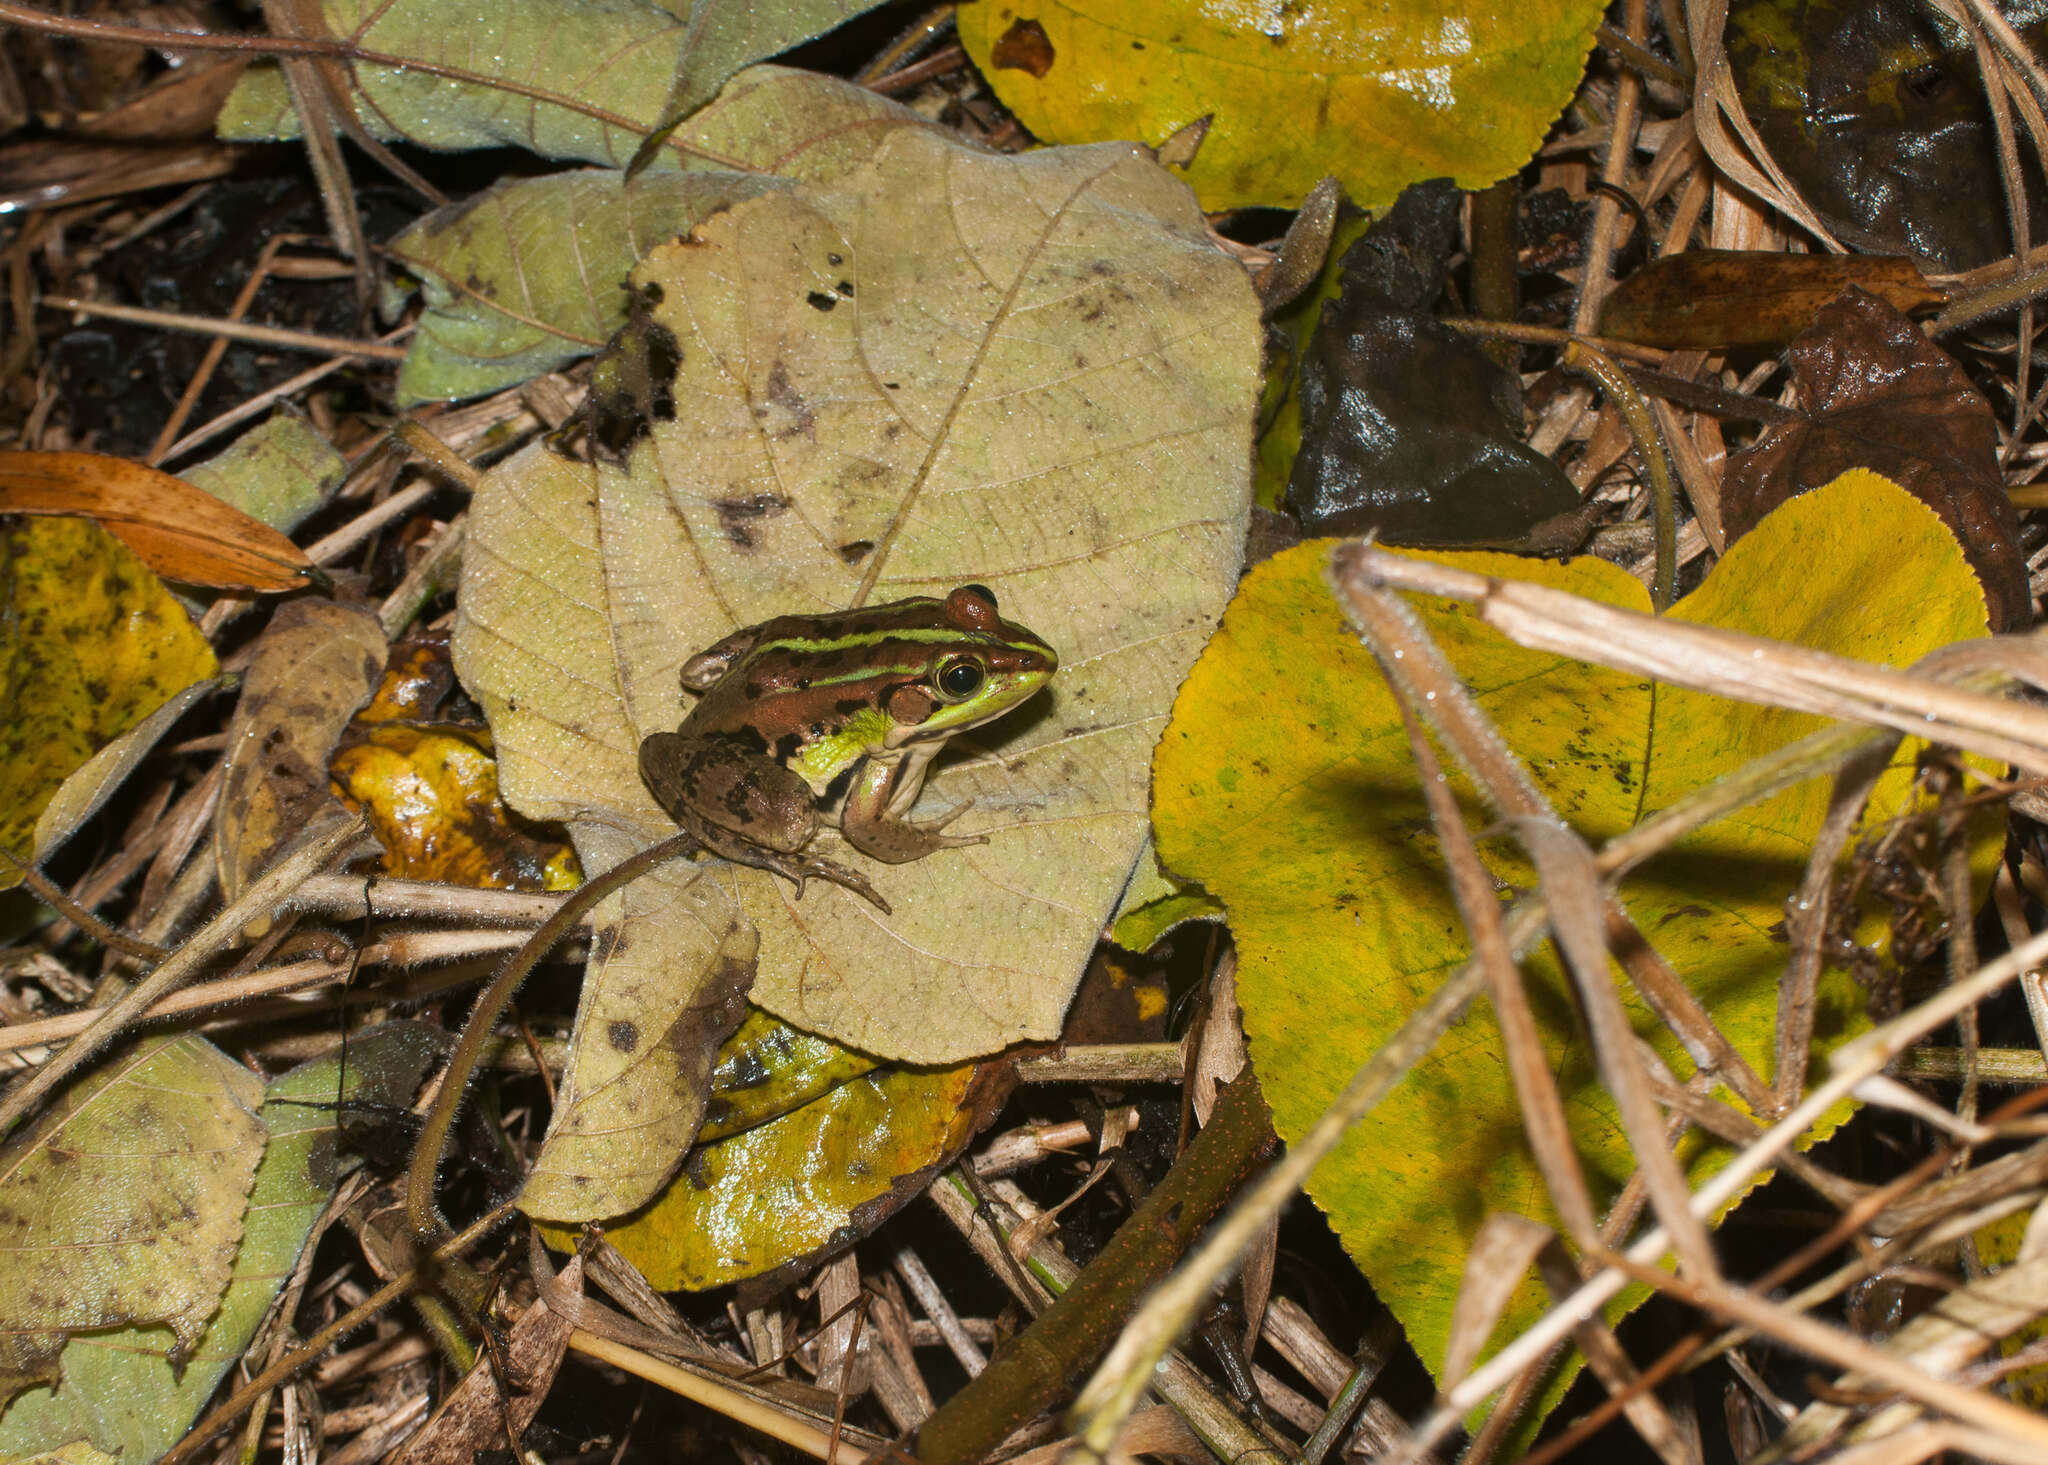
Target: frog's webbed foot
[{"x": 801, "y": 868}]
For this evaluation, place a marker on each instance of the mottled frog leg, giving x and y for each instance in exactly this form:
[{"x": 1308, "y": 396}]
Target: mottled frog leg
[
  {"x": 743, "y": 808},
  {"x": 874, "y": 817}
]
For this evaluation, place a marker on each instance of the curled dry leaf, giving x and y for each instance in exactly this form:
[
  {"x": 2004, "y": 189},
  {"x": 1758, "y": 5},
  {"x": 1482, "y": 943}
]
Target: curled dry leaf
[
  {"x": 123, "y": 1203},
  {"x": 1715, "y": 299},
  {"x": 1877, "y": 394},
  {"x": 946, "y": 367},
  {"x": 181, "y": 532},
  {"x": 315, "y": 665}
]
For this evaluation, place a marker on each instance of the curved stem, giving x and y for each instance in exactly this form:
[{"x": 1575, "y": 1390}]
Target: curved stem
[{"x": 420, "y": 1212}]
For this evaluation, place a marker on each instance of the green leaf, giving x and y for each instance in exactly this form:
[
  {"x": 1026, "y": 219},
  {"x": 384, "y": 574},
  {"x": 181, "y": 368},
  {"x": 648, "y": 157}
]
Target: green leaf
[
  {"x": 279, "y": 472},
  {"x": 122, "y": 1204},
  {"x": 1382, "y": 95},
  {"x": 1285, "y": 786},
  {"x": 531, "y": 274},
  {"x": 726, "y": 35},
  {"x": 584, "y": 80},
  {"x": 119, "y": 1388}
]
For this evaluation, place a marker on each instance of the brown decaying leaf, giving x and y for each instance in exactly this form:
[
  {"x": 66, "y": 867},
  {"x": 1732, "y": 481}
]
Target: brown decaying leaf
[
  {"x": 1877, "y": 394},
  {"x": 477, "y": 1412},
  {"x": 316, "y": 664},
  {"x": 1716, "y": 299},
  {"x": 181, "y": 532}
]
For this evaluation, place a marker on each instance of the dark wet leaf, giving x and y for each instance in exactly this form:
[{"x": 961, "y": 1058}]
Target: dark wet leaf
[
  {"x": 1875, "y": 393},
  {"x": 1881, "y": 124},
  {"x": 1714, "y": 299},
  {"x": 1408, "y": 429}
]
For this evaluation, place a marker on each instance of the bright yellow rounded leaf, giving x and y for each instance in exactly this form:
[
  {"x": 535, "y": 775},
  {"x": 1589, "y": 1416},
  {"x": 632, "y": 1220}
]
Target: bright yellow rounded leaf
[
  {"x": 1381, "y": 95},
  {"x": 815, "y": 1178},
  {"x": 1285, "y": 786}
]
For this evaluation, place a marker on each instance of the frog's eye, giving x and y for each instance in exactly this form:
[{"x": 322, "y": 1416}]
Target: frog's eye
[{"x": 959, "y": 680}]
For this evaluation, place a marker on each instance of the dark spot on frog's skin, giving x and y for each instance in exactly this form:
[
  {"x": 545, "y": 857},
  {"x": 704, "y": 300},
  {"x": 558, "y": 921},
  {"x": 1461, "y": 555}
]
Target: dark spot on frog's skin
[
  {"x": 753, "y": 691},
  {"x": 624, "y": 1036},
  {"x": 747, "y": 739},
  {"x": 787, "y": 747},
  {"x": 847, "y": 706},
  {"x": 821, "y": 300},
  {"x": 857, "y": 551},
  {"x": 817, "y": 729}
]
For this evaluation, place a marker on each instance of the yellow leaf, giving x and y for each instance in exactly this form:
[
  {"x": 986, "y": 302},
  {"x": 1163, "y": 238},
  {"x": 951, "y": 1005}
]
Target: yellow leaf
[
  {"x": 795, "y": 1185},
  {"x": 93, "y": 644},
  {"x": 1382, "y": 95},
  {"x": 432, "y": 797},
  {"x": 1285, "y": 786}
]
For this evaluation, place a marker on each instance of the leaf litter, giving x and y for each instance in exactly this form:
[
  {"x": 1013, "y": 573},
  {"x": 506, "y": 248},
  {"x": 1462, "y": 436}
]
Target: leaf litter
[{"x": 706, "y": 493}]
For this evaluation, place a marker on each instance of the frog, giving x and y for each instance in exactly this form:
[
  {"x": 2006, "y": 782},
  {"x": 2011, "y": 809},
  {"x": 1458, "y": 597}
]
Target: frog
[{"x": 785, "y": 708}]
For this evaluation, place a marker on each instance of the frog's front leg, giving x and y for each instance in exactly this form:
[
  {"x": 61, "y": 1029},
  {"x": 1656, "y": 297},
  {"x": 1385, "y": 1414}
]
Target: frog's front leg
[
  {"x": 742, "y": 806},
  {"x": 875, "y": 818}
]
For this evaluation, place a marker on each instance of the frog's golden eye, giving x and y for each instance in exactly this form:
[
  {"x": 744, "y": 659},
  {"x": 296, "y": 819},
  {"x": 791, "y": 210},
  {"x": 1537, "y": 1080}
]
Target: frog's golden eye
[{"x": 959, "y": 680}]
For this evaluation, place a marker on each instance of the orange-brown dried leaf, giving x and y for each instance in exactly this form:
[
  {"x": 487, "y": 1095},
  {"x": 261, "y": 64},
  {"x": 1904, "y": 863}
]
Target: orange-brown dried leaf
[
  {"x": 432, "y": 796},
  {"x": 181, "y": 532},
  {"x": 1875, "y": 393},
  {"x": 1715, "y": 299}
]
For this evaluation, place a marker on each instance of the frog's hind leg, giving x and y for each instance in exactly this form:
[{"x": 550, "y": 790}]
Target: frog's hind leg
[
  {"x": 746, "y": 810},
  {"x": 791, "y": 864}
]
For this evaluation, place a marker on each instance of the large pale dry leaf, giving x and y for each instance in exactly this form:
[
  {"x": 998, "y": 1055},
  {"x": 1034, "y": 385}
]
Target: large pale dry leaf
[
  {"x": 1033, "y": 372},
  {"x": 123, "y": 1204},
  {"x": 316, "y": 664}
]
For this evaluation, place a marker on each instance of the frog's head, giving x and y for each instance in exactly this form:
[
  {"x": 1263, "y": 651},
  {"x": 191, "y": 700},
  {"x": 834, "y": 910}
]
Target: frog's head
[{"x": 977, "y": 668}]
